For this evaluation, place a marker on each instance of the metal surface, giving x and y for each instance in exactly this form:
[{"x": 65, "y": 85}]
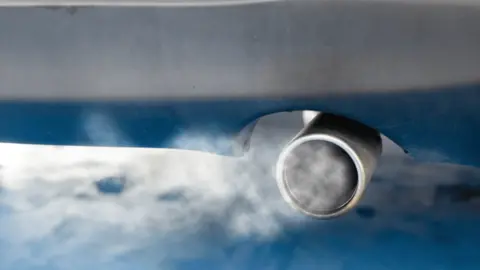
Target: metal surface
[
  {"x": 324, "y": 171},
  {"x": 194, "y": 3},
  {"x": 127, "y": 3},
  {"x": 272, "y": 49},
  {"x": 105, "y": 76}
]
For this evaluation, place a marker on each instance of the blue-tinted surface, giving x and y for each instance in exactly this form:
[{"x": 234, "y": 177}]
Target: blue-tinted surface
[
  {"x": 435, "y": 125},
  {"x": 413, "y": 216}
]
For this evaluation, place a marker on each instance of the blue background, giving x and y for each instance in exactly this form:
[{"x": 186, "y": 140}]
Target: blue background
[{"x": 414, "y": 216}]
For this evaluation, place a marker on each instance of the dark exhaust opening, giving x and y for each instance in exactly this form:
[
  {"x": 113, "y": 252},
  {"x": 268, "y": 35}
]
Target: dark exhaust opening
[{"x": 320, "y": 177}]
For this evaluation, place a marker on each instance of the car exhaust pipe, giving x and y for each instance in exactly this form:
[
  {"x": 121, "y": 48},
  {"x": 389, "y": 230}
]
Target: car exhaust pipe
[{"x": 324, "y": 170}]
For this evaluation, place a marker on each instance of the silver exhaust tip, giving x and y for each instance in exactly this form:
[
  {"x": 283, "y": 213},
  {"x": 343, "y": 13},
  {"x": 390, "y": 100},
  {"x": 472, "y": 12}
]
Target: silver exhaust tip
[{"x": 323, "y": 172}]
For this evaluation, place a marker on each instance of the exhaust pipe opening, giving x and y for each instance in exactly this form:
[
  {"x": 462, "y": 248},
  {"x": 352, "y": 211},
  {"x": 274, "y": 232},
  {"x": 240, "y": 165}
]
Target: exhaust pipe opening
[{"x": 324, "y": 171}]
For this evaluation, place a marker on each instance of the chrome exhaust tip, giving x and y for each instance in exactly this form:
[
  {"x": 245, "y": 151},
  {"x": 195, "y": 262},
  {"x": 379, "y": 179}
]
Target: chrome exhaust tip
[{"x": 323, "y": 172}]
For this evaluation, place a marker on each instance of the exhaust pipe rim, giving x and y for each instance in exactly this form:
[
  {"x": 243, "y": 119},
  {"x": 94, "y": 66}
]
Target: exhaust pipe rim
[{"x": 282, "y": 183}]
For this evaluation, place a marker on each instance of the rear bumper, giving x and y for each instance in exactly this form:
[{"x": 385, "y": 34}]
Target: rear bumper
[{"x": 240, "y": 49}]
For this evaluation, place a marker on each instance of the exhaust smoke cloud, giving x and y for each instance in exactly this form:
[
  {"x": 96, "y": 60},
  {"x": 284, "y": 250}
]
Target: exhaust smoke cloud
[
  {"x": 105, "y": 208},
  {"x": 64, "y": 195}
]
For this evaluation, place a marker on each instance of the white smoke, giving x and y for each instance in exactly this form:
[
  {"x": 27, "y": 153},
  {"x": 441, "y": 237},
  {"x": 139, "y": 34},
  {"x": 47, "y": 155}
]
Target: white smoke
[
  {"x": 55, "y": 208},
  {"x": 176, "y": 206}
]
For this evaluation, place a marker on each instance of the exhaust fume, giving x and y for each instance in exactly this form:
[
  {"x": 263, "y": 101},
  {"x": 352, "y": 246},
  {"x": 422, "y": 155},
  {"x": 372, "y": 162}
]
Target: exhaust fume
[{"x": 324, "y": 170}]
